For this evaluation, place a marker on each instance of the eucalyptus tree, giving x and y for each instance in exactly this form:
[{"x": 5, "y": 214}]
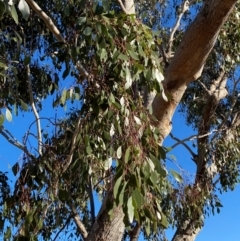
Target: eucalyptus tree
[{"x": 129, "y": 65}]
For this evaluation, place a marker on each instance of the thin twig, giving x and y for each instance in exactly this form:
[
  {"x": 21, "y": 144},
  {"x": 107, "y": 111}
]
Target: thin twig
[
  {"x": 185, "y": 145},
  {"x": 63, "y": 227},
  {"x": 192, "y": 137},
  {"x": 9, "y": 137}
]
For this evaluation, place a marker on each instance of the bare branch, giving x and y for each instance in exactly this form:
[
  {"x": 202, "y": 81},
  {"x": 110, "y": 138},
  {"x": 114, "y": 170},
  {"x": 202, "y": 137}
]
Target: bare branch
[
  {"x": 184, "y": 7},
  {"x": 48, "y": 21},
  {"x": 185, "y": 145},
  {"x": 204, "y": 87},
  {"x": 9, "y": 137},
  {"x": 79, "y": 223},
  {"x": 34, "y": 111},
  {"x": 192, "y": 137},
  {"x": 63, "y": 227}
]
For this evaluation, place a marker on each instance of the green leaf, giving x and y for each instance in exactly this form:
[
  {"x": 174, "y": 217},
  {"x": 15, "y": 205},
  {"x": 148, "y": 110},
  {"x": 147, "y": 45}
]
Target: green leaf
[
  {"x": 15, "y": 169},
  {"x": 8, "y": 234},
  {"x": 177, "y": 176},
  {"x": 40, "y": 224},
  {"x": 81, "y": 20},
  {"x": 129, "y": 79},
  {"x": 63, "y": 195},
  {"x": 108, "y": 164},
  {"x": 29, "y": 218},
  {"x": 130, "y": 209},
  {"x": 147, "y": 227},
  {"x": 138, "y": 198},
  {"x": 121, "y": 194},
  {"x": 2, "y": 8},
  {"x": 127, "y": 153},
  {"x": 218, "y": 204},
  {"x": 133, "y": 55},
  {"x": 119, "y": 152},
  {"x": 87, "y": 31},
  {"x": 3, "y": 65},
  {"x": 24, "y": 9},
  {"x": 27, "y": 60},
  {"x": 89, "y": 150},
  {"x": 123, "y": 57},
  {"x": 164, "y": 221},
  {"x": 116, "y": 186},
  {"x": 1, "y": 119},
  {"x": 63, "y": 97},
  {"x": 148, "y": 213},
  {"x": 8, "y": 115},
  {"x": 23, "y": 105},
  {"x": 14, "y": 14}
]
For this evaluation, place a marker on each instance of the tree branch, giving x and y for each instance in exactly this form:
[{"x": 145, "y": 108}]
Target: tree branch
[
  {"x": 48, "y": 21},
  {"x": 11, "y": 139},
  {"x": 134, "y": 234},
  {"x": 34, "y": 111},
  {"x": 78, "y": 222},
  {"x": 184, "y": 7},
  {"x": 185, "y": 145},
  {"x": 123, "y": 7}
]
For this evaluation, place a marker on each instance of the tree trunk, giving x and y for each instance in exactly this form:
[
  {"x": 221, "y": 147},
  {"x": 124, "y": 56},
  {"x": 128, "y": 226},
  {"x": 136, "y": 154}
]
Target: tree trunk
[
  {"x": 189, "y": 233},
  {"x": 107, "y": 228}
]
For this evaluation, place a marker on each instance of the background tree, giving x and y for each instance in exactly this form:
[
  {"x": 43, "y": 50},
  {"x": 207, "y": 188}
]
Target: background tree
[{"x": 113, "y": 55}]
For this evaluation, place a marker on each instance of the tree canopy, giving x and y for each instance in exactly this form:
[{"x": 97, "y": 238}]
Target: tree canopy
[{"x": 119, "y": 69}]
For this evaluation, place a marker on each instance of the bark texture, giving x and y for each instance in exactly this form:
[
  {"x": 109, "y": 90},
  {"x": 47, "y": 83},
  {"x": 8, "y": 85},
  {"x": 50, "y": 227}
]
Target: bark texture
[{"x": 107, "y": 228}]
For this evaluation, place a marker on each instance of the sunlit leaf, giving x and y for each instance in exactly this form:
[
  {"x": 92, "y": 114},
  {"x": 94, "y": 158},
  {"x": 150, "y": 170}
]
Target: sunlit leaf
[
  {"x": 130, "y": 209},
  {"x": 177, "y": 176},
  {"x": 23, "y": 105},
  {"x": 24, "y": 9},
  {"x": 14, "y": 14},
  {"x": 8, "y": 115}
]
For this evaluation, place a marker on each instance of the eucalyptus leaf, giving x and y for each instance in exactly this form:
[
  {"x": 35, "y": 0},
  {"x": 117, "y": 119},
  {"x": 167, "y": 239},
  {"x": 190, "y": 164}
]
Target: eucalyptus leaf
[
  {"x": 8, "y": 115},
  {"x": 24, "y": 9}
]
